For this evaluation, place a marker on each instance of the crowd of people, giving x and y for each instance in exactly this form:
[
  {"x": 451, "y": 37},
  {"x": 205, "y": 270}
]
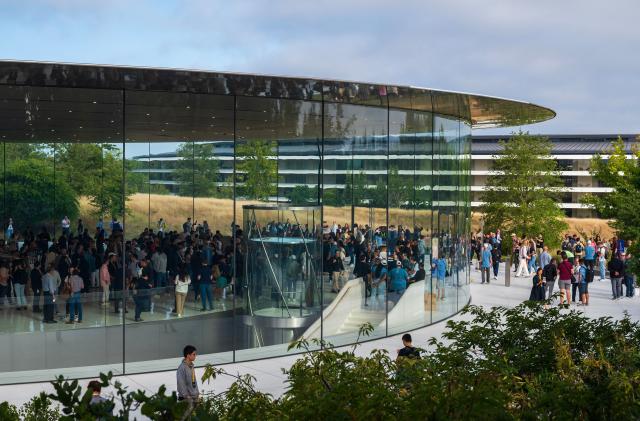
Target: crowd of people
[
  {"x": 573, "y": 267},
  {"x": 388, "y": 260},
  {"x": 60, "y": 275}
]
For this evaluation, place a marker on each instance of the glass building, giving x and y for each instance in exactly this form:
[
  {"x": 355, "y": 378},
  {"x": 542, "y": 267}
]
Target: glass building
[{"x": 247, "y": 182}]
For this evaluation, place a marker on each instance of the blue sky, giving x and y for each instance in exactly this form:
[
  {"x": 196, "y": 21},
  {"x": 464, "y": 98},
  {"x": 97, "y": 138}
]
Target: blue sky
[{"x": 580, "y": 58}]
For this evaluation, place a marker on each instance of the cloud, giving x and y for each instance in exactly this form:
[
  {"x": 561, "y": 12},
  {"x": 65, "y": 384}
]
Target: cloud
[{"x": 577, "y": 57}]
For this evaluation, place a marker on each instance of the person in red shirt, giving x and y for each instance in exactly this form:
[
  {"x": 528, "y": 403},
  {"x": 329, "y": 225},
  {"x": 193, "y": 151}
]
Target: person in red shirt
[{"x": 565, "y": 270}]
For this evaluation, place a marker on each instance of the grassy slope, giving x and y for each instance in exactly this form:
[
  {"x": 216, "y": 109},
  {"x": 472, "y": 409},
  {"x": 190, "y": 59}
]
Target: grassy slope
[{"x": 219, "y": 214}]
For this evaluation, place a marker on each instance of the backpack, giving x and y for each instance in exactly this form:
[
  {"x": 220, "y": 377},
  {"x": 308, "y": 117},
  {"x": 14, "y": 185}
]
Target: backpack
[
  {"x": 579, "y": 248},
  {"x": 589, "y": 275}
]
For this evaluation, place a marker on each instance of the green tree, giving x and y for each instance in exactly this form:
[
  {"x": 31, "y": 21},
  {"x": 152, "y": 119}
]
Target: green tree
[
  {"x": 622, "y": 205},
  {"x": 197, "y": 170},
  {"x": 523, "y": 190},
  {"x": 400, "y": 189},
  {"x": 105, "y": 193},
  {"x": 94, "y": 170},
  {"x": 303, "y": 195},
  {"x": 256, "y": 170},
  {"x": 32, "y": 198}
]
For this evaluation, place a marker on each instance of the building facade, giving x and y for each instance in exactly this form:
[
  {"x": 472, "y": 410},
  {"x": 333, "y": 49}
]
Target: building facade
[
  {"x": 250, "y": 176},
  {"x": 573, "y": 154}
]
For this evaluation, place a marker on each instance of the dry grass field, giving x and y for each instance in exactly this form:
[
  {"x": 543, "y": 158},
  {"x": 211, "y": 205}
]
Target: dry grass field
[
  {"x": 581, "y": 226},
  {"x": 145, "y": 210}
]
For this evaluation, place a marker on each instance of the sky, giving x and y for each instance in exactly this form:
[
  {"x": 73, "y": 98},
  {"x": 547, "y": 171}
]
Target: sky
[{"x": 580, "y": 58}]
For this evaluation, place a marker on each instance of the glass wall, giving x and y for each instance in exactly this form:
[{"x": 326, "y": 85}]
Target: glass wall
[{"x": 149, "y": 211}]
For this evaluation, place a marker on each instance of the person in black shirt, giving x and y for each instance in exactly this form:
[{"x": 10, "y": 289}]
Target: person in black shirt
[
  {"x": 36, "y": 287},
  {"x": 363, "y": 270},
  {"x": 20, "y": 278},
  {"x": 550, "y": 273},
  {"x": 421, "y": 274},
  {"x": 143, "y": 285},
  {"x": 409, "y": 351}
]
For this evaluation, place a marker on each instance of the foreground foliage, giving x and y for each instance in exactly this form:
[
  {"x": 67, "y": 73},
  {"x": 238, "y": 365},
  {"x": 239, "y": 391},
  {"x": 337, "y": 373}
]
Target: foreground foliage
[{"x": 498, "y": 364}]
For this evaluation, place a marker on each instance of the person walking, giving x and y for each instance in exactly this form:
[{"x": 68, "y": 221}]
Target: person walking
[
  {"x": 565, "y": 271},
  {"x": 187, "y": 381},
  {"x": 486, "y": 263},
  {"x": 523, "y": 253},
  {"x": 616, "y": 269}
]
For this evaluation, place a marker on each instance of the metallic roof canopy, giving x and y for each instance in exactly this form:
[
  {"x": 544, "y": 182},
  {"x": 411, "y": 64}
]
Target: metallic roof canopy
[{"x": 69, "y": 94}]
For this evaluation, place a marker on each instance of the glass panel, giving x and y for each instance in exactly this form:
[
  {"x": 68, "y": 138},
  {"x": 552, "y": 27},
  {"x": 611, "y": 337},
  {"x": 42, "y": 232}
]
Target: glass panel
[
  {"x": 465, "y": 212},
  {"x": 52, "y": 184},
  {"x": 443, "y": 241},
  {"x": 409, "y": 216},
  {"x": 174, "y": 255},
  {"x": 357, "y": 134},
  {"x": 278, "y": 274}
]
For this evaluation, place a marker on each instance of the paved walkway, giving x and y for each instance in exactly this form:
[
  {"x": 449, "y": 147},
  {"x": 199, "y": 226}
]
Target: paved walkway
[{"x": 268, "y": 373}]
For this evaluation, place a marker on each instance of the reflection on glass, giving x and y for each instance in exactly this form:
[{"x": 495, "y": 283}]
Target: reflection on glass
[{"x": 237, "y": 224}]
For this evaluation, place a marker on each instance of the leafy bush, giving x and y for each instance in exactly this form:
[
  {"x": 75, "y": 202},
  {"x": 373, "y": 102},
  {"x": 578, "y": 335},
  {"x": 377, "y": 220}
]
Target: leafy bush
[{"x": 525, "y": 362}]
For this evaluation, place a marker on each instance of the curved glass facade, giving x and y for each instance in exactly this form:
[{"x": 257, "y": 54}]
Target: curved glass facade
[{"x": 134, "y": 178}]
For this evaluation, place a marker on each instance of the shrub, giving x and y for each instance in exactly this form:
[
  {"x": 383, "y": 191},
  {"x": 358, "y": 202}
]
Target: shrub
[{"x": 525, "y": 362}]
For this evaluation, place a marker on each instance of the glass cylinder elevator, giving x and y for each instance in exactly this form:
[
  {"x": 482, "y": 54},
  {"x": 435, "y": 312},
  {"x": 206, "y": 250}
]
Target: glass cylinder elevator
[{"x": 283, "y": 275}]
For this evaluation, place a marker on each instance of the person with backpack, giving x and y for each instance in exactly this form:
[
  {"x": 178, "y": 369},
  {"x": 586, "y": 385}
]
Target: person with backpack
[{"x": 585, "y": 276}]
